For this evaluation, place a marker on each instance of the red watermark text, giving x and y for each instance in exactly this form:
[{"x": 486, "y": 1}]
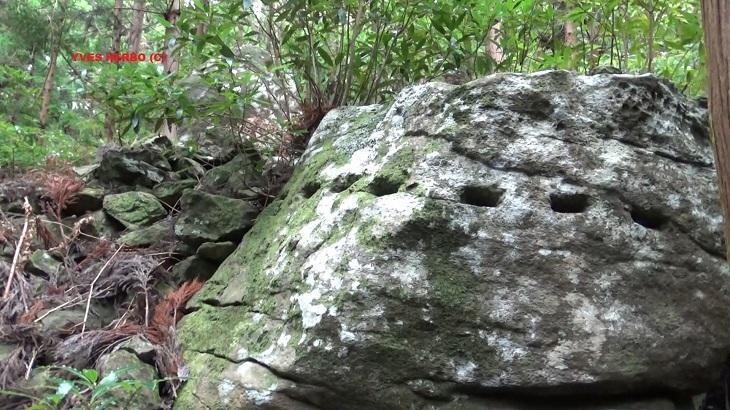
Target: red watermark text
[{"x": 119, "y": 57}]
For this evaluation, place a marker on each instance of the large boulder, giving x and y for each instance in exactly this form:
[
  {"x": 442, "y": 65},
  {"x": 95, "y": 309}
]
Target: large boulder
[{"x": 520, "y": 241}]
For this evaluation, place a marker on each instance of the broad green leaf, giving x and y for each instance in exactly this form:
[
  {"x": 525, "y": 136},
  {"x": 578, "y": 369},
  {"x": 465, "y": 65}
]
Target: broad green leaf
[{"x": 90, "y": 375}]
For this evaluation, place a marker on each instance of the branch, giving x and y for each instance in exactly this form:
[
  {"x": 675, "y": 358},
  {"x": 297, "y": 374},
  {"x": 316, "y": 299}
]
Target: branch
[
  {"x": 93, "y": 282},
  {"x": 18, "y": 249}
]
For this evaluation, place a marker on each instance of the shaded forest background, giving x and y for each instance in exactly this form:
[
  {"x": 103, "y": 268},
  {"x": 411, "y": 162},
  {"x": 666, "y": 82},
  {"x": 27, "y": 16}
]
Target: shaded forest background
[{"x": 306, "y": 56}]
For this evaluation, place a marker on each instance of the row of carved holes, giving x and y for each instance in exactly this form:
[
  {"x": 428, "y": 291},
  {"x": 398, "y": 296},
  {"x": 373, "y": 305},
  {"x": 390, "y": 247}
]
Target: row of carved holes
[{"x": 567, "y": 203}]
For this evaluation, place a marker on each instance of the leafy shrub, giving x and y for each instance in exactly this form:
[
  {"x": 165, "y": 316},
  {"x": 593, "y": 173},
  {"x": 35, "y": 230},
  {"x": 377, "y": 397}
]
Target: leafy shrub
[{"x": 84, "y": 390}]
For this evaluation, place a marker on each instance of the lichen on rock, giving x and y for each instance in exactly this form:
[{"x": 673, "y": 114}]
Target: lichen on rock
[{"x": 545, "y": 235}]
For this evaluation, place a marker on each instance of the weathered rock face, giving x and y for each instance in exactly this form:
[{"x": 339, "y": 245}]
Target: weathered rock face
[
  {"x": 134, "y": 209},
  {"x": 207, "y": 217},
  {"x": 515, "y": 242}
]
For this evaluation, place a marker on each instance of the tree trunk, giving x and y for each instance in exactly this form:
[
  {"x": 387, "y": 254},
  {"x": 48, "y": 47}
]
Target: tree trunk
[
  {"x": 716, "y": 19},
  {"x": 172, "y": 15},
  {"x": 170, "y": 63},
  {"x": 117, "y": 35},
  {"x": 202, "y": 27},
  {"x": 48, "y": 86},
  {"x": 135, "y": 34},
  {"x": 116, "y": 48},
  {"x": 494, "y": 47},
  {"x": 56, "y": 37}
]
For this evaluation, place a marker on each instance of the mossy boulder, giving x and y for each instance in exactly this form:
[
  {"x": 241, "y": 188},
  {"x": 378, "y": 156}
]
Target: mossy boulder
[
  {"x": 44, "y": 264},
  {"x": 238, "y": 178},
  {"x": 216, "y": 251},
  {"x": 213, "y": 218},
  {"x": 150, "y": 235},
  {"x": 127, "y": 366},
  {"x": 517, "y": 242},
  {"x": 169, "y": 192},
  {"x": 134, "y": 209}
]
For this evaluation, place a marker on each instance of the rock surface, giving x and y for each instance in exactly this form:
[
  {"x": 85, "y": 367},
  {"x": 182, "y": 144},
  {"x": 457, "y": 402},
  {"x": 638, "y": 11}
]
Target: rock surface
[
  {"x": 134, "y": 209},
  {"x": 129, "y": 367},
  {"x": 520, "y": 241},
  {"x": 131, "y": 168},
  {"x": 193, "y": 267},
  {"x": 43, "y": 263},
  {"x": 216, "y": 251},
  {"x": 237, "y": 178},
  {"x": 150, "y": 235},
  {"x": 211, "y": 218}
]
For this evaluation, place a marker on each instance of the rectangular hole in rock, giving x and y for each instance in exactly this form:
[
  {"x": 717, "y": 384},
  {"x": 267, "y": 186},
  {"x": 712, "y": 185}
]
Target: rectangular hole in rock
[
  {"x": 487, "y": 196},
  {"x": 568, "y": 203}
]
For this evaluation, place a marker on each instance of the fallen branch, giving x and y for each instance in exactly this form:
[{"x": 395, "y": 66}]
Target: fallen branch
[
  {"x": 18, "y": 249},
  {"x": 91, "y": 289}
]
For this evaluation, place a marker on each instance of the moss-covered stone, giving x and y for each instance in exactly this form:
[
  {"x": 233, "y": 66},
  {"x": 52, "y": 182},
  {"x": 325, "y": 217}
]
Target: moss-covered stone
[
  {"x": 169, "y": 192},
  {"x": 216, "y": 251},
  {"x": 127, "y": 366},
  {"x": 134, "y": 209},
  {"x": 150, "y": 235},
  {"x": 239, "y": 178},
  {"x": 44, "y": 264},
  {"x": 416, "y": 258},
  {"x": 213, "y": 218}
]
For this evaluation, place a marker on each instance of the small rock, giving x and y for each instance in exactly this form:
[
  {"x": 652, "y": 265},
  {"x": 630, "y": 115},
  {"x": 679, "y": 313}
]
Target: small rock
[
  {"x": 141, "y": 347},
  {"x": 134, "y": 209},
  {"x": 88, "y": 200},
  {"x": 147, "y": 236},
  {"x": 606, "y": 69},
  {"x": 169, "y": 192},
  {"x": 43, "y": 264},
  {"x": 216, "y": 251},
  {"x": 102, "y": 226},
  {"x": 6, "y": 351},
  {"x": 213, "y": 218},
  {"x": 85, "y": 171},
  {"x": 129, "y": 367},
  {"x": 121, "y": 168},
  {"x": 193, "y": 267},
  {"x": 237, "y": 178},
  {"x": 65, "y": 319}
]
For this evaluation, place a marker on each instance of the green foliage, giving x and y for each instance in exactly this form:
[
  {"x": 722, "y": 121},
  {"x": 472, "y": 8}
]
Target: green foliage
[
  {"x": 84, "y": 390},
  {"x": 333, "y": 52},
  {"x": 360, "y": 52},
  {"x": 28, "y": 146}
]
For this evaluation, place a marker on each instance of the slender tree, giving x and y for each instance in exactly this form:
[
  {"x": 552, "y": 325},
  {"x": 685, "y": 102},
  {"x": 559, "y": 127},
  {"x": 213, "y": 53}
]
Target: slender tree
[
  {"x": 716, "y": 19},
  {"x": 494, "y": 45},
  {"x": 171, "y": 63},
  {"x": 135, "y": 33},
  {"x": 116, "y": 48},
  {"x": 57, "y": 30},
  {"x": 202, "y": 27},
  {"x": 117, "y": 34}
]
